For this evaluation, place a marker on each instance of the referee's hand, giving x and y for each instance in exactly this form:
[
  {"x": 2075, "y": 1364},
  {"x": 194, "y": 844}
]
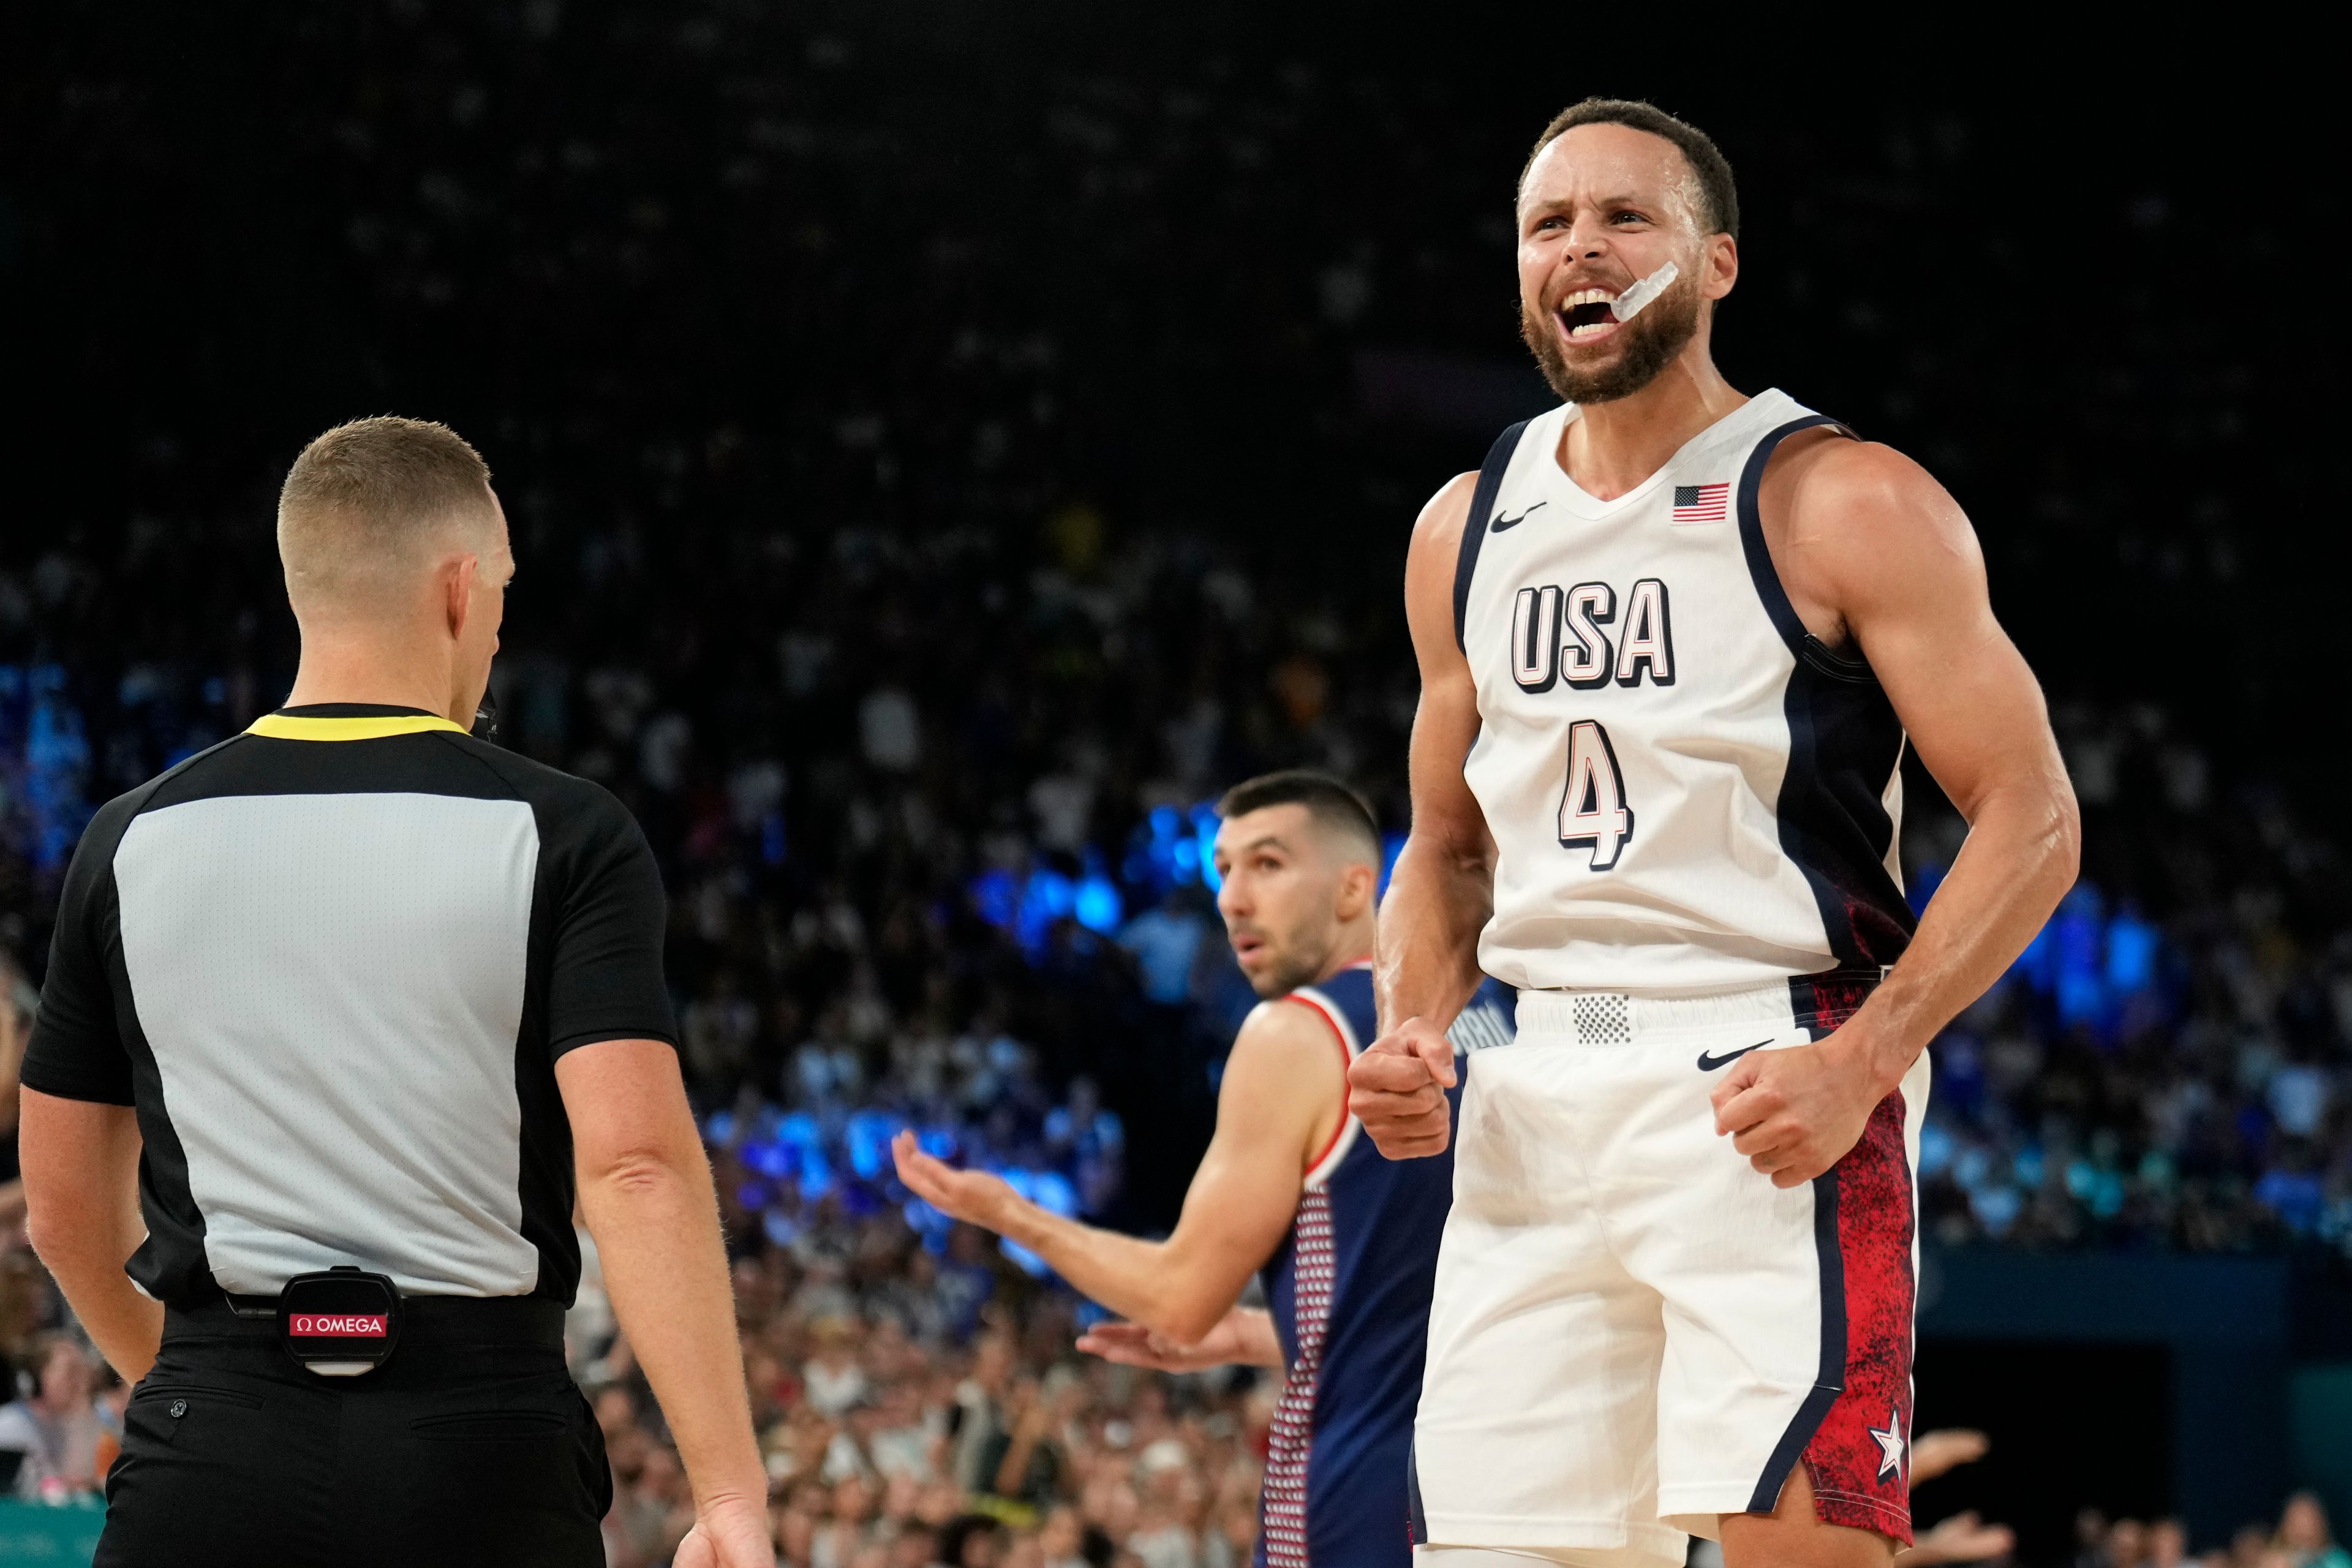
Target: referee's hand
[
  {"x": 1397, "y": 1089},
  {"x": 729, "y": 1533}
]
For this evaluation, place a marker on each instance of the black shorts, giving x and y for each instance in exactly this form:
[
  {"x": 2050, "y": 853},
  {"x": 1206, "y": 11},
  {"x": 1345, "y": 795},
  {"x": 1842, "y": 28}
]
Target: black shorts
[{"x": 471, "y": 1445}]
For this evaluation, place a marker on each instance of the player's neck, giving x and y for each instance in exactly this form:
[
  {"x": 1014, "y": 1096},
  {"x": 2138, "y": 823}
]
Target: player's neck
[
  {"x": 1357, "y": 948},
  {"x": 1610, "y": 448},
  {"x": 359, "y": 668}
]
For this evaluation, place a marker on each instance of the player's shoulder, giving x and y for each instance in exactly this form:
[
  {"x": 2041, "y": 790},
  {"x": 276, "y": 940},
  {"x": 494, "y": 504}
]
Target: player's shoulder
[
  {"x": 1438, "y": 531},
  {"x": 1287, "y": 1059},
  {"x": 1828, "y": 476},
  {"x": 1290, "y": 1026},
  {"x": 1433, "y": 568},
  {"x": 1862, "y": 524}
]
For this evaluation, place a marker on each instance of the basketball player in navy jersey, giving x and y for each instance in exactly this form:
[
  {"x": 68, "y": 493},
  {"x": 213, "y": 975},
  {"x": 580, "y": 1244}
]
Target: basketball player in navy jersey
[
  {"x": 1347, "y": 1241},
  {"x": 1673, "y": 639}
]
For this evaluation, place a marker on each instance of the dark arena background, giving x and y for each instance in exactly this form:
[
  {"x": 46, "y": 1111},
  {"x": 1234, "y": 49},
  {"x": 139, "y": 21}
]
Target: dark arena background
[{"x": 946, "y": 445}]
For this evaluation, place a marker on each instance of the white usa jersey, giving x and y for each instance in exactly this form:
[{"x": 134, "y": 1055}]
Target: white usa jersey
[{"x": 1687, "y": 790}]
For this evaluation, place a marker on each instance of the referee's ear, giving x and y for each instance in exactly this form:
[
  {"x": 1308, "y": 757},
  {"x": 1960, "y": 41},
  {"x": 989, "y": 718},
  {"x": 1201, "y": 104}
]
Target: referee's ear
[{"x": 458, "y": 575}]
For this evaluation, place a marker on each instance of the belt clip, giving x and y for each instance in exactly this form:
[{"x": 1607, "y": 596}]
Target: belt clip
[{"x": 340, "y": 1322}]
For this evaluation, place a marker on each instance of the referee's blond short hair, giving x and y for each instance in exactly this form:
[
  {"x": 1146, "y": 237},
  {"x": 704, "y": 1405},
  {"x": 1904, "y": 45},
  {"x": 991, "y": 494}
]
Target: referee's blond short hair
[{"x": 370, "y": 503}]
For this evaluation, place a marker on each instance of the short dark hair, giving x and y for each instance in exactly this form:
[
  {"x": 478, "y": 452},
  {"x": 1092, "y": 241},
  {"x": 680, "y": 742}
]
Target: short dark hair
[
  {"x": 1718, "y": 195},
  {"x": 1331, "y": 804}
]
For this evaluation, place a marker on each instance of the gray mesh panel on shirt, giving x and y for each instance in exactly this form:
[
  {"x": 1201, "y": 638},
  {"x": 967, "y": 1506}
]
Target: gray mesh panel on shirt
[{"x": 332, "y": 985}]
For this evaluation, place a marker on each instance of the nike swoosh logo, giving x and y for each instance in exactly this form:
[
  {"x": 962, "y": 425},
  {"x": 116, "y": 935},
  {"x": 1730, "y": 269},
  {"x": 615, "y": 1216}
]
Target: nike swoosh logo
[
  {"x": 1709, "y": 1062},
  {"x": 1500, "y": 523}
]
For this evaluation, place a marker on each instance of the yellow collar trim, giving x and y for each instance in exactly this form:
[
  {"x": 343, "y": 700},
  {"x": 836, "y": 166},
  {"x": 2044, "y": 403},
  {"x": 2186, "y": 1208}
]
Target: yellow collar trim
[{"x": 362, "y": 727}]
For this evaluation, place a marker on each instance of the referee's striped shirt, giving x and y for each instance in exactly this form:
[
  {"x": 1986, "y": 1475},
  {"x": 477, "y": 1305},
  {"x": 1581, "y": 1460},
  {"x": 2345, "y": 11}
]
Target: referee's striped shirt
[{"x": 332, "y": 962}]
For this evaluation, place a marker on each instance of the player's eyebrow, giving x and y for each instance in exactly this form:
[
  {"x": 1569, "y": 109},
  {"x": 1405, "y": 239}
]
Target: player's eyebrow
[
  {"x": 1259, "y": 842},
  {"x": 1606, "y": 204}
]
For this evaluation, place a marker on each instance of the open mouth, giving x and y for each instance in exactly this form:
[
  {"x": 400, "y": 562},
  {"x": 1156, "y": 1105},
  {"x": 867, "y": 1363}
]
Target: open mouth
[{"x": 1585, "y": 316}]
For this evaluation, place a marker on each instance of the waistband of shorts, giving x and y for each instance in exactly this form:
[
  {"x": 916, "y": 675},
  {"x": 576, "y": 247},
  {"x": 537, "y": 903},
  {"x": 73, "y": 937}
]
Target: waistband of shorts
[
  {"x": 1816, "y": 1002},
  {"x": 529, "y": 1320}
]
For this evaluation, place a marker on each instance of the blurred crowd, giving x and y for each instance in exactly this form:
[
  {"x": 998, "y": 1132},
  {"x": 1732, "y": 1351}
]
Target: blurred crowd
[
  {"x": 2301, "y": 1538},
  {"x": 930, "y": 484},
  {"x": 2170, "y": 1065},
  {"x": 920, "y": 1408},
  {"x": 970, "y": 894}
]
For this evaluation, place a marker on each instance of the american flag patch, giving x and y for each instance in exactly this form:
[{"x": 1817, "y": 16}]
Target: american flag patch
[{"x": 1702, "y": 503}]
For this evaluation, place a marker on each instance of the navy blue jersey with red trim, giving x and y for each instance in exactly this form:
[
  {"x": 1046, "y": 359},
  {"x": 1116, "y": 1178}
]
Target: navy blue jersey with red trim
[{"x": 1349, "y": 1290}]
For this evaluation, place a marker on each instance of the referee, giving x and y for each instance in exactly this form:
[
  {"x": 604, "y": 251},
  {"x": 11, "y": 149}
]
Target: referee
[{"x": 341, "y": 1016}]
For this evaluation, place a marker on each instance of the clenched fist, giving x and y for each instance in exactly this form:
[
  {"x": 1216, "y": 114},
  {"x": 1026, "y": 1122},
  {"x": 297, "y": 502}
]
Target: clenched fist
[
  {"x": 1796, "y": 1111},
  {"x": 1397, "y": 1089}
]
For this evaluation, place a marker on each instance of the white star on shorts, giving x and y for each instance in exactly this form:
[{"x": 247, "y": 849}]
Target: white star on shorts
[{"x": 1890, "y": 1443}]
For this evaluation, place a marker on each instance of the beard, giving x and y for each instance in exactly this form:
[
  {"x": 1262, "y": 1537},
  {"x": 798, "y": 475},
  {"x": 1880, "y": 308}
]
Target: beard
[
  {"x": 1285, "y": 965},
  {"x": 1285, "y": 975},
  {"x": 1645, "y": 345}
]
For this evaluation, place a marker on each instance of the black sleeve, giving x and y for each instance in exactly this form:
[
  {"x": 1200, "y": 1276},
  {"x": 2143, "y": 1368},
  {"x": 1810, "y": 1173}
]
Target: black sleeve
[
  {"x": 604, "y": 980},
  {"x": 77, "y": 1050}
]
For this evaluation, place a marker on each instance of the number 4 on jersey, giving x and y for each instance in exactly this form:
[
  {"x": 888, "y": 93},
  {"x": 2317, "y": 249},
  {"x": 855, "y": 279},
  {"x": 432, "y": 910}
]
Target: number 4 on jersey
[{"x": 1592, "y": 810}]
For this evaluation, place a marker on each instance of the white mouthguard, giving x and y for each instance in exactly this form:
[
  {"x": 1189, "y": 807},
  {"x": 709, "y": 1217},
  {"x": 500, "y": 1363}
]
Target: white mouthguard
[{"x": 1627, "y": 304}]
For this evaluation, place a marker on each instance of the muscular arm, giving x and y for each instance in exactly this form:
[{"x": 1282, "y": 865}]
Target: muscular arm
[
  {"x": 1279, "y": 1105},
  {"x": 81, "y": 1188},
  {"x": 1897, "y": 557},
  {"x": 1442, "y": 889},
  {"x": 646, "y": 1191},
  {"x": 1874, "y": 554}
]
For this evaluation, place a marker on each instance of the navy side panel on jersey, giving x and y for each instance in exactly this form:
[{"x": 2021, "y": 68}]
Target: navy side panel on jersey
[
  {"x": 1844, "y": 743},
  {"x": 1349, "y": 1293}
]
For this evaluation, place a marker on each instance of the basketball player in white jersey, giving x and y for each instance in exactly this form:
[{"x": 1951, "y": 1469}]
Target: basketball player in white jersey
[{"x": 1672, "y": 639}]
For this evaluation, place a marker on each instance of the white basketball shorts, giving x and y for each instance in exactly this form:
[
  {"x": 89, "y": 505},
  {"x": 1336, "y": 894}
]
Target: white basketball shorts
[{"x": 1634, "y": 1331}]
